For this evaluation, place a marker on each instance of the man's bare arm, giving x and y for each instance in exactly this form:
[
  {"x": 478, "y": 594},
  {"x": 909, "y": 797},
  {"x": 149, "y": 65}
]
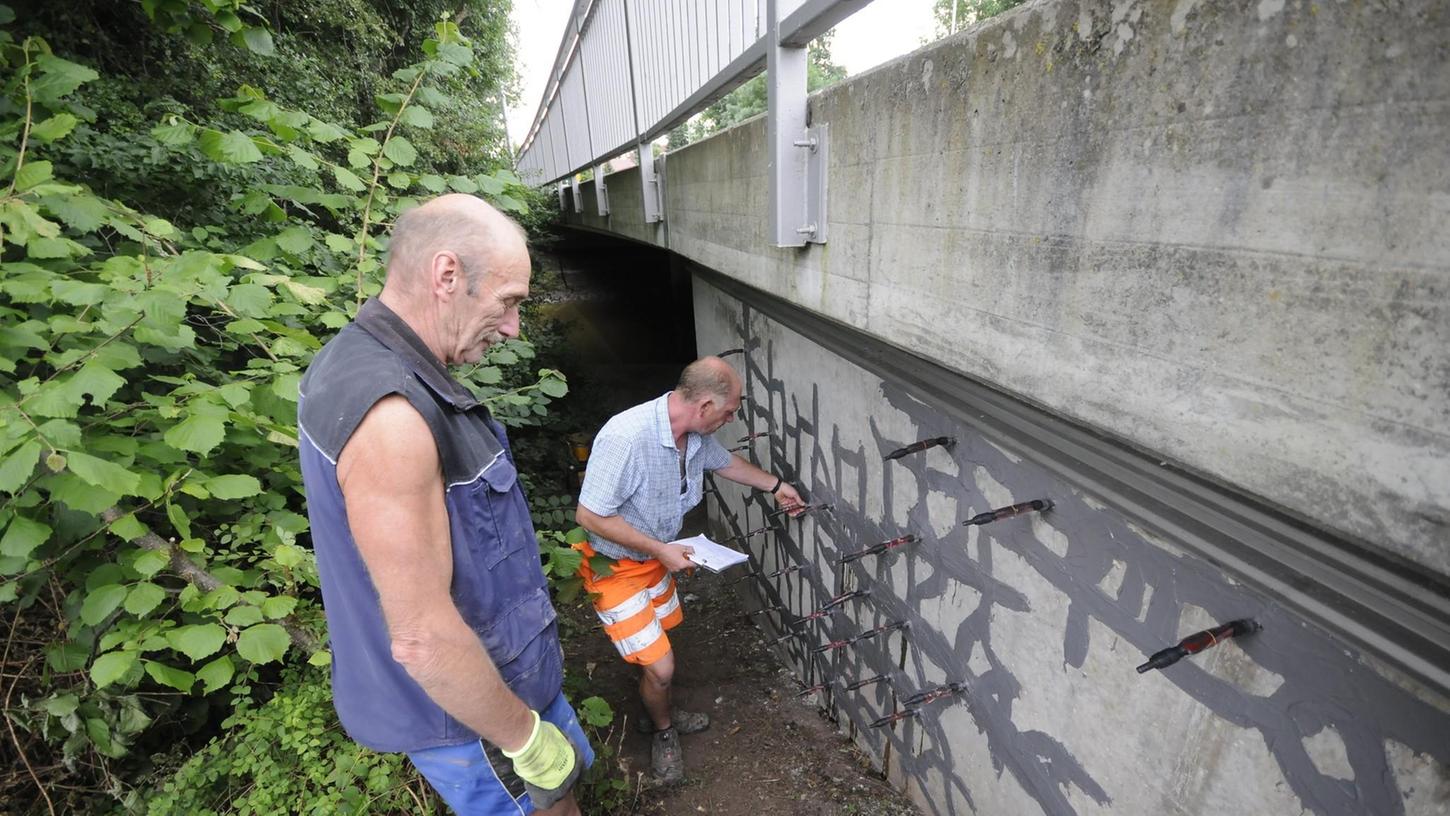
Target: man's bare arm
[
  {"x": 742, "y": 472},
  {"x": 393, "y": 487},
  {"x": 621, "y": 532}
]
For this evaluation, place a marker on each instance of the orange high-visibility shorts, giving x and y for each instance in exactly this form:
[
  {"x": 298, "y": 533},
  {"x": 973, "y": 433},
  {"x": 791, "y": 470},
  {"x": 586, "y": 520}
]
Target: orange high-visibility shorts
[{"x": 637, "y": 603}]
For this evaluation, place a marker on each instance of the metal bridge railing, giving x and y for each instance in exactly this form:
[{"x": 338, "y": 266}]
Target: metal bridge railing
[{"x": 627, "y": 71}]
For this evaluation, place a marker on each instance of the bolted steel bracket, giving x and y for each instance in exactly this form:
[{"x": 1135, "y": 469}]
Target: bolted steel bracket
[
  {"x": 796, "y": 154},
  {"x": 650, "y": 182},
  {"x": 601, "y": 192},
  {"x": 817, "y": 144}
]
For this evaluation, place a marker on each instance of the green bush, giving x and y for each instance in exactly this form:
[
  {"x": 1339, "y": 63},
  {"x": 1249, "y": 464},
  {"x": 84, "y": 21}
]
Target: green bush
[
  {"x": 289, "y": 755},
  {"x": 152, "y": 528}
]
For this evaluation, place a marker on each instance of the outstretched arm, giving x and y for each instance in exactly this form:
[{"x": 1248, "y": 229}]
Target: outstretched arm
[{"x": 742, "y": 472}]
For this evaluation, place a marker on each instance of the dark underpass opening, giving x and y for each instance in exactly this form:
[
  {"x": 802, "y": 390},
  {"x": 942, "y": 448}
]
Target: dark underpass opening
[{"x": 625, "y": 316}]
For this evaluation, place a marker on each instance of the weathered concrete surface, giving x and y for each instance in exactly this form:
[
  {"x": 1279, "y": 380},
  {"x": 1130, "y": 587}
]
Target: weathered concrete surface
[
  {"x": 1044, "y": 619},
  {"x": 1215, "y": 229}
]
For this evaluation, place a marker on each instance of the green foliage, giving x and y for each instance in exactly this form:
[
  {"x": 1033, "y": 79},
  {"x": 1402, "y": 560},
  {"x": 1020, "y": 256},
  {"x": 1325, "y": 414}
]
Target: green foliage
[
  {"x": 950, "y": 20},
  {"x": 750, "y": 99},
  {"x": 288, "y": 756},
  {"x": 602, "y": 789},
  {"x": 150, "y": 496},
  {"x": 336, "y": 59},
  {"x": 561, "y": 562}
]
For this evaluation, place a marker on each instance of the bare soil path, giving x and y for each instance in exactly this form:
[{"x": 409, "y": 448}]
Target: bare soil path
[{"x": 766, "y": 752}]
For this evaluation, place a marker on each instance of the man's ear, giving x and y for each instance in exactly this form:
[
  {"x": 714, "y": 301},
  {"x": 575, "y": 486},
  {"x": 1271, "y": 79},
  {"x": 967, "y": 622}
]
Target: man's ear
[{"x": 445, "y": 275}]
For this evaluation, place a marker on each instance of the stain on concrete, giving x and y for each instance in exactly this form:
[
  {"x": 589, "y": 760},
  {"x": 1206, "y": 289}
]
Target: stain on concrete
[{"x": 1269, "y": 8}]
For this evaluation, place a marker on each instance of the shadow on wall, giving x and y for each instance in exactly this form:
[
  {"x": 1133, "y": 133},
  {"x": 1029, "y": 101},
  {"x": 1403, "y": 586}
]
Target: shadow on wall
[{"x": 1104, "y": 577}]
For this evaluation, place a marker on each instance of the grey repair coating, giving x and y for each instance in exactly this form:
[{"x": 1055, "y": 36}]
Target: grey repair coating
[{"x": 1324, "y": 683}]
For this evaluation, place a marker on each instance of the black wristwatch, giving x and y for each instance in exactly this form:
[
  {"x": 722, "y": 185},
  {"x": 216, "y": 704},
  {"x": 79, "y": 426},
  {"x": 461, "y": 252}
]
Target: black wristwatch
[{"x": 778, "y": 482}]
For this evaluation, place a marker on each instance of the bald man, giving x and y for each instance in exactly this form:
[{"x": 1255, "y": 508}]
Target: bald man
[
  {"x": 645, "y": 472},
  {"x": 443, "y": 639}
]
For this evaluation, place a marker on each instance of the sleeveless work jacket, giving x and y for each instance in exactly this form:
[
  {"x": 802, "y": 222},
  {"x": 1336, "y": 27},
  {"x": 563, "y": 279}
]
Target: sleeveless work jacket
[{"x": 498, "y": 583}]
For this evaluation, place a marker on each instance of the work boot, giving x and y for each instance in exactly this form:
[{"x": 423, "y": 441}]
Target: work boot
[
  {"x": 667, "y": 759},
  {"x": 685, "y": 722}
]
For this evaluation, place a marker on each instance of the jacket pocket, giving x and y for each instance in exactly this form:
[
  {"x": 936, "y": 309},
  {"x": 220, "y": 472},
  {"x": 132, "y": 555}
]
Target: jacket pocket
[
  {"x": 499, "y": 532},
  {"x": 508, "y": 634}
]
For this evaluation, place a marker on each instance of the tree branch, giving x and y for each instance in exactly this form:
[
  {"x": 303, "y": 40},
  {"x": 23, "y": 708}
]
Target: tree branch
[{"x": 205, "y": 581}]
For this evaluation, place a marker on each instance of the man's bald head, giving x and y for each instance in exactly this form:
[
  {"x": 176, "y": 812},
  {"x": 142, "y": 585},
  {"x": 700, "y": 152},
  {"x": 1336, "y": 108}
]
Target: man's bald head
[
  {"x": 706, "y": 378},
  {"x": 480, "y": 236}
]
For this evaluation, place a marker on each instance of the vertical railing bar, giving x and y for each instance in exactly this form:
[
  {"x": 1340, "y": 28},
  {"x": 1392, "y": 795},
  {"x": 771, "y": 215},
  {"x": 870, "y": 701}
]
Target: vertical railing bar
[
  {"x": 682, "y": 62},
  {"x": 661, "y": 74},
  {"x": 728, "y": 53},
  {"x": 676, "y": 66},
  {"x": 656, "y": 74},
  {"x": 730, "y": 28},
  {"x": 617, "y": 105},
  {"x": 705, "y": 44},
  {"x": 584, "y": 87},
  {"x": 682, "y": 38},
  {"x": 683, "y": 41},
  {"x": 657, "y": 80},
  {"x": 562, "y": 111},
  {"x": 610, "y": 45},
  {"x": 628, "y": 117},
  {"x": 691, "y": 54},
  {"x": 640, "y": 42},
  {"x": 702, "y": 48},
  {"x": 645, "y": 44},
  {"x": 629, "y": 55},
  {"x": 614, "y": 56}
]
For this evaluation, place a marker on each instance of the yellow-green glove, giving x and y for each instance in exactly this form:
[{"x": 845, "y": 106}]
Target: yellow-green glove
[{"x": 549, "y": 764}]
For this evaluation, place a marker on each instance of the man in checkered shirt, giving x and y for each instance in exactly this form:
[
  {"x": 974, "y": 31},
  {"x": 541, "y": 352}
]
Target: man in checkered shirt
[{"x": 646, "y": 470}]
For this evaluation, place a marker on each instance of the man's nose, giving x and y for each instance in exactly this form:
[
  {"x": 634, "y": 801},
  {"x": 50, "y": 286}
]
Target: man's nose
[{"x": 510, "y": 325}]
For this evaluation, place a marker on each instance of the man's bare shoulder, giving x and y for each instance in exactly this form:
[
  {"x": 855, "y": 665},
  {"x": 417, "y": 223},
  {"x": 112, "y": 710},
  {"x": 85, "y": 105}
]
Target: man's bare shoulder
[{"x": 392, "y": 445}]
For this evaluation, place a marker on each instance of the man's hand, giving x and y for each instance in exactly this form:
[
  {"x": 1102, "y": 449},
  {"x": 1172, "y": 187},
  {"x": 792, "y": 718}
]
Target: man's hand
[
  {"x": 788, "y": 499},
  {"x": 549, "y": 764},
  {"x": 673, "y": 557}
]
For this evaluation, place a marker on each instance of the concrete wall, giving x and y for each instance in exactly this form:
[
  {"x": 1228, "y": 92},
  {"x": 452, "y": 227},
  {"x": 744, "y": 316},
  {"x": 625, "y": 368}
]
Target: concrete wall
[
  {"x": 1044, "y": 619},
  {"x": 1215, "y": 229}
]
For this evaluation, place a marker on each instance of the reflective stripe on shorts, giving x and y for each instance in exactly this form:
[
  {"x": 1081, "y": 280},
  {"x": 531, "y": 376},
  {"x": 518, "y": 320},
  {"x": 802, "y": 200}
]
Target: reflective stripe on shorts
[
  {"x": 623, "y": 612},
  {"x": 637, "y": 603},
  {"x": 639, "y": 641}
]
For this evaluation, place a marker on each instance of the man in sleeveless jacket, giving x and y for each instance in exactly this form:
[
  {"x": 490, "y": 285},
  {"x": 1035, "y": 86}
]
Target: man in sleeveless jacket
[{"x": 444, "y": 643}]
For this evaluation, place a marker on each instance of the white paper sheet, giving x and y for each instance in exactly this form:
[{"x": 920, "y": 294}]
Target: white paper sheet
[{"x": 713, "y": 557}]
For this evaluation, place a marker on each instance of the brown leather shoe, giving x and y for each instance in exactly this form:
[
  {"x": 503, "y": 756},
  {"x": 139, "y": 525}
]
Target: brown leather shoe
[
  {"x": 685, "y": 722},
  {"x": 667, "y": 759}
]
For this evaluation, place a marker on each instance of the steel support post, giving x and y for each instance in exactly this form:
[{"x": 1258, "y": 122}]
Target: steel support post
[
  {"x": 574, "y": 188},
  {"x": 649, "y": 186},
  {"x": 797, "y": 194},
  {"x": 601, "y": 192},
  {"x": 649, "y": 183},
  {"x": 563, "y": 201}
]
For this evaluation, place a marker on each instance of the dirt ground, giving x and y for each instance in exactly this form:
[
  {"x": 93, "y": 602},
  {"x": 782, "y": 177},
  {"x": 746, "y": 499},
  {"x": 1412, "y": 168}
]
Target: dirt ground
[{"x": 766, "y": 752}]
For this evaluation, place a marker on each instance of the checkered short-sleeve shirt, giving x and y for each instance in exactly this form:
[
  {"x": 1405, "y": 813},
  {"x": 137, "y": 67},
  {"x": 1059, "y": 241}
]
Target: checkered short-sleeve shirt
[{"x": 634, "y": 473}]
